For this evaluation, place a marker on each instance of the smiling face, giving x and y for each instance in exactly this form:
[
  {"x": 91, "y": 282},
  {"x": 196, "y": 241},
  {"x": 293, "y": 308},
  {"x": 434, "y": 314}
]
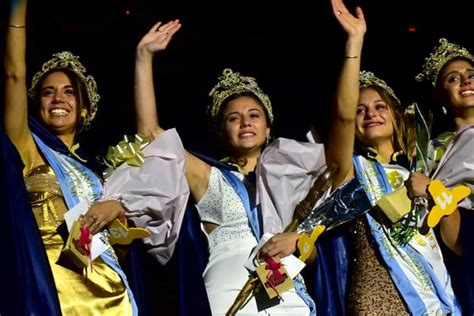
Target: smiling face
[
  {"x": 245, "y": 125},
  {"x": 58, "y": 104},
  {"x": 456, "y": 88},
  {"x": 374, "y": 120}
]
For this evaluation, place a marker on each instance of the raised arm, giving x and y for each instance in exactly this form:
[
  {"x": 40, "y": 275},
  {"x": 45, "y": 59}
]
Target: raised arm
[
  {"x": 16, "y": 109},
  {"x": 156, "y": 40},
  {"x": 342, "y": 130}
]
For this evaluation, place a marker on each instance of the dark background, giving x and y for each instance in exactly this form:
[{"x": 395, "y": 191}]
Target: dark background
[{"x": 294, "y": 49}]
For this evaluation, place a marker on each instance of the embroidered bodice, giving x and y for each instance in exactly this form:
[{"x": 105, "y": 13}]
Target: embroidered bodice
[
  {"x": 222, "y": 206},
  {"x": 45, "y": 196}
]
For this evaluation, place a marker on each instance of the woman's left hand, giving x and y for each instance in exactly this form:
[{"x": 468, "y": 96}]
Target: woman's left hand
[
  {"x": 417, "y": 185},
  {"x": 101, "y": 214},
  {"x": 282, "y": 245}
]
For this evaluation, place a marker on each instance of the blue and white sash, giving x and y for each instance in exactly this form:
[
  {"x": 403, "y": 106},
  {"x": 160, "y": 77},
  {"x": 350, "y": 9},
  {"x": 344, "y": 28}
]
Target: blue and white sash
[
  {"x": 417, "y": 268},
  {"x": 78, "y": 183}
]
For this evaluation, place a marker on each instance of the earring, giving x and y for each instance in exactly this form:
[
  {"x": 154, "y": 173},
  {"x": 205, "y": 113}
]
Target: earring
[
  {"x": 444, "y": 110},
  {"x": 267, "y": 141},
  {"x": 83, "y": 114}
]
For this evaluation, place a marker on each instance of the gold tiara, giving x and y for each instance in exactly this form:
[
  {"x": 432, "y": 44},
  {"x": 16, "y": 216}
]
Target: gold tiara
[
  {"x": 367, "y": 79},
  {"x": 66, "y": 60},
  {"x": 445, "y": 52},
  {"x": 231, "y": 83}
]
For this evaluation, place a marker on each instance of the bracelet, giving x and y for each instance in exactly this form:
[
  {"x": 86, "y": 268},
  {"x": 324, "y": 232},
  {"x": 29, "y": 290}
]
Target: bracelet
[
  {"x": 351, "y": 56},
  {"x": 17, "y": 26}
]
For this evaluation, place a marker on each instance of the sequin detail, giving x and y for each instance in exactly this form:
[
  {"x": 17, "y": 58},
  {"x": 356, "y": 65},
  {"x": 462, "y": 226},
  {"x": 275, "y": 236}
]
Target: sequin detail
[
  {"x": 371, "y": 289},
  {"x": 222, "y": 206}
]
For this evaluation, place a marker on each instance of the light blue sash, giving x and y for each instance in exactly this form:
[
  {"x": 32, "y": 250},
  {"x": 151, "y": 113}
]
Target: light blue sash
[
  {"x": 411, "y": 266},
  {"x": 79, "y": 182}
]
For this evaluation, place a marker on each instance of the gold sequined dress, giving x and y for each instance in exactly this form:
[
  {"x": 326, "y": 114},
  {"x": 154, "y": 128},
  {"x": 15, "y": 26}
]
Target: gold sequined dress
[{"x": 103, "y": 290}]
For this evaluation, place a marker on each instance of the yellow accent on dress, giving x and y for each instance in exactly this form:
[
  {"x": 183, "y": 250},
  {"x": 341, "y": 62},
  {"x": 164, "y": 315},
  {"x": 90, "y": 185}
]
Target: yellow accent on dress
[{"x": 103, "y": 290}]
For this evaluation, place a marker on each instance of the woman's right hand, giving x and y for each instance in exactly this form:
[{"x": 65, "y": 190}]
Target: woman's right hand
[{"x": 157, "y": 38}]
